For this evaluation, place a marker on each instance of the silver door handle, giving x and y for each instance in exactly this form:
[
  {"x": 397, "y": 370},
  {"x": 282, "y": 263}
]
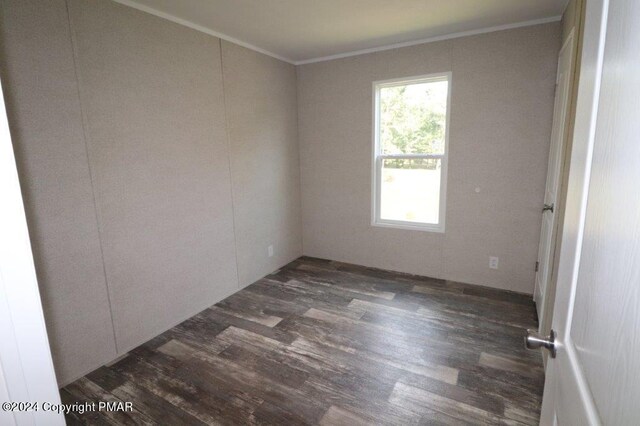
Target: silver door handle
[
  {"x": 548, "y": 207},
  {"x": 534, "y": 340}
]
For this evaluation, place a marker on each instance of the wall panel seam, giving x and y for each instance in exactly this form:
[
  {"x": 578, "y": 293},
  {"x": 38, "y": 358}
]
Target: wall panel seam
[
  {"x": 85, "y": 135},
  {"x": 228, "y": 133},
  {"x": 300, "y": 220}
]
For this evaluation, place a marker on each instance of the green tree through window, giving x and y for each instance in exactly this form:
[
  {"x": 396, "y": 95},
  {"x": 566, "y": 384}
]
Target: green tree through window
[{"x": 413, "y": 118}]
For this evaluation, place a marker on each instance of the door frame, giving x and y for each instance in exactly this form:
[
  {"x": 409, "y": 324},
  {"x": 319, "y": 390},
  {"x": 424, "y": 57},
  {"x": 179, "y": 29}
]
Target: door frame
[
  {"x": 541, "y": 296},
  {"x": 578, "y": 29},
  {"x": 26, "y": 367}
]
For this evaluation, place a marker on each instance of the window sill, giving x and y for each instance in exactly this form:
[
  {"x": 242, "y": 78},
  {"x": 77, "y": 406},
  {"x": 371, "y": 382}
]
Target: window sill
[{"x": 409, "y": 226}]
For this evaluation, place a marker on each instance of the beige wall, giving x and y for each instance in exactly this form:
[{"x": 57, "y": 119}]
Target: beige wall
[
  {"x": 134, "y": 172},
  {"x": 265, "y": 171},
  {"x": 45, "y": 118},
  {"x": 501, "y": 112}
]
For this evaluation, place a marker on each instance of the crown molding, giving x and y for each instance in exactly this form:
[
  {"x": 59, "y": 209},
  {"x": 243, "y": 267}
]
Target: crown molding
[{"x": 431, "y": 39}]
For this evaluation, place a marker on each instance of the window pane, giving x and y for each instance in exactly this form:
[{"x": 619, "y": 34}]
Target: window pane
[
  {"x": 410, "y": 190},
  {"x": 413, "y": 118}
]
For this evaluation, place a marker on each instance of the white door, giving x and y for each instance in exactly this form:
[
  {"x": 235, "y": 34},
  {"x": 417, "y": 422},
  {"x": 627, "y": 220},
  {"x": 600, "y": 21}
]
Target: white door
[
  {"x": 595, "y": 378},
  {"x": 558, "y": 134}
]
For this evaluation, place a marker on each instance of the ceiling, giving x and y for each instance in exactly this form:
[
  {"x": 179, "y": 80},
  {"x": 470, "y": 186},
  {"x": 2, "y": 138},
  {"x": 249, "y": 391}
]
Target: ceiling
[{"x": 301, "y": 31}]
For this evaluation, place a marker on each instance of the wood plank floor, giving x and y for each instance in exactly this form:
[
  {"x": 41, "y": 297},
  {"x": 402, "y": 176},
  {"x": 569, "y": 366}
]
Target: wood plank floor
[{"x": 328, "y": 343}]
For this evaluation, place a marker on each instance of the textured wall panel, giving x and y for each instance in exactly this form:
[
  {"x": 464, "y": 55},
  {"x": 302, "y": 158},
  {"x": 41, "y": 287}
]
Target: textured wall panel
[
  {"x": 46, "y": 127},
  {"x": 152, "y": 96},
  {"x": 501, "y": 113},
  {"x": 263, "y": 133}
]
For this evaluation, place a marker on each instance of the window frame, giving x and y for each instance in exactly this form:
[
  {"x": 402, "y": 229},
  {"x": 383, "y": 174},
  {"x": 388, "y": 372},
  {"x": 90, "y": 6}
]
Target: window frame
[{"x": 378, "y": 157}]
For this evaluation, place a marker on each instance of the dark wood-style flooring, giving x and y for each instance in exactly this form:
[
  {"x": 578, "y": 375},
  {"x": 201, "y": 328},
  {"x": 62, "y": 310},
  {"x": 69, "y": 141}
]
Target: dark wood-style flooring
[{"x": 323, "y": 342}]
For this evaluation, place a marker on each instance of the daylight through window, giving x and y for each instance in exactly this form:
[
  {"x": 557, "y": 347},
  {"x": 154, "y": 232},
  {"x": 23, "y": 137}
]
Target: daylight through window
[{"x": 410, "y": 154}]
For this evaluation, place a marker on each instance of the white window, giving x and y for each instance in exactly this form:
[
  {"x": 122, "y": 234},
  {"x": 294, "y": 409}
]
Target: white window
[{"x": 410, "y": 152}]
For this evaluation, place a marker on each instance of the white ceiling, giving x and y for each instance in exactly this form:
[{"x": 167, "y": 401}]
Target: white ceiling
[{"x": 300, "y": 31}]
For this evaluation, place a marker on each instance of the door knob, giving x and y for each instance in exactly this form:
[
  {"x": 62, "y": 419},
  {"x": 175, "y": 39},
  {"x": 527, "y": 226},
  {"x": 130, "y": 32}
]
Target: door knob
[
  {"x": 548, "y": 207},
  {"x": 534, "y": 340}
]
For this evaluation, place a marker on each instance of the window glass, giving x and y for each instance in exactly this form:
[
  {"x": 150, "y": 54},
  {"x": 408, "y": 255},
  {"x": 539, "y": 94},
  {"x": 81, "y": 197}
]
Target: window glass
[
  {"x": 413, "y": 118},
  {"x": 410, "y": 152}
]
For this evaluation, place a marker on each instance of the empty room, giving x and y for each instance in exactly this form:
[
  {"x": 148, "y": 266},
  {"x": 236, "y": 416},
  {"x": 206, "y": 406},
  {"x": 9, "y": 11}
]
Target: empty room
[{"x": 337, "y": 212}]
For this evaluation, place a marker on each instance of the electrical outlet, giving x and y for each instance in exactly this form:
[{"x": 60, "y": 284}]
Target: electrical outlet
[
  {"x": 270, "y": 251},
  {"x": 493, "y": 262}
]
